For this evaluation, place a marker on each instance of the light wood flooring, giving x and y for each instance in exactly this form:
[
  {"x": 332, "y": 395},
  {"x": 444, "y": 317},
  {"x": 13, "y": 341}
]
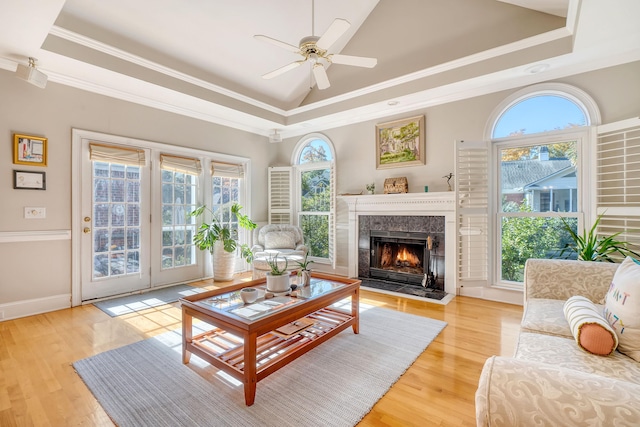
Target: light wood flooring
[{"x": 38, "y": 386}]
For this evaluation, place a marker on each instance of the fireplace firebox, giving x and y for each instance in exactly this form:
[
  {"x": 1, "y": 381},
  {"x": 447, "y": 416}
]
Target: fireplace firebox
[{"x": 405, "y": 257}]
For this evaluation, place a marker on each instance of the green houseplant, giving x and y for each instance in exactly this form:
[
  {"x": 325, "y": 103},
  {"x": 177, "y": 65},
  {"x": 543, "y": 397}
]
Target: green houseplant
[
  {"x": 305, "y": 271},
  {"x": 278, "y": 277},
  {"x": 589, "y": 246},
  {"x": 219, "y": 238}
]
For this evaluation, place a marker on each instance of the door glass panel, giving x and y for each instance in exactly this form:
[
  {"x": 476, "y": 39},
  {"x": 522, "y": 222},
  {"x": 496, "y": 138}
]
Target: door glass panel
[
  {"x": 179, "y": 191},
  {"x": 116, "y": 219}
]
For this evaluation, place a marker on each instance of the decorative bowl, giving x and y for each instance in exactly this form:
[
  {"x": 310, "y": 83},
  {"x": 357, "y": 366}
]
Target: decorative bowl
[{"x": 249, "y": 295}]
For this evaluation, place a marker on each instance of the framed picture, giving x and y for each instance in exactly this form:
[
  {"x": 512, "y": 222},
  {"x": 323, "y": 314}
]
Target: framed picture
[
  {"x": 29, "y": 150},
  {"x": 27, "y": 180},
  {"x": 400, "y": 143}
]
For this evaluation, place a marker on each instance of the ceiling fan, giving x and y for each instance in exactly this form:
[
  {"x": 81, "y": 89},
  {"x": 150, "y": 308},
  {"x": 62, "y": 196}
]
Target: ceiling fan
[{"x": 315, "y": 50}]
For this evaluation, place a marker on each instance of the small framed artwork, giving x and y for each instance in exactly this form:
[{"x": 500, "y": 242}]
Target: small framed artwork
[
  {"x": 27, "y": 180},
  {"x": 400, "y": 143},
  {"x": 29, "y": 150}
]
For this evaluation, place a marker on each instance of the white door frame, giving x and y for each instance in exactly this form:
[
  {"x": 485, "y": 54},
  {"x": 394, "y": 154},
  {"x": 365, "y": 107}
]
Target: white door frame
[{"x": 77, "y": 135}]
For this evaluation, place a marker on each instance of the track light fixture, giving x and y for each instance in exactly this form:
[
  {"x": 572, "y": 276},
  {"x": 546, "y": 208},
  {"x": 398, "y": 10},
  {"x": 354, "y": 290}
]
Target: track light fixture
[{"x": 31, "y": 74}]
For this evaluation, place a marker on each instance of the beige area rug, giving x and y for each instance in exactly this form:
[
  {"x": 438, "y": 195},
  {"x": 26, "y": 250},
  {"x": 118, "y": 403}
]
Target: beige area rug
[{"x": 335, "y": 384}]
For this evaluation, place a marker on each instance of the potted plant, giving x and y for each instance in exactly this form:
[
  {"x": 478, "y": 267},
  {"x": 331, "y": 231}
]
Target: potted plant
[
  {"x": 221, "y": 240},
  {"x": 305, "y": 271},
  {"x": 590, "y": 247},
  {"x": 277, "y": 278},
  {"x": 371, "y": 188}
]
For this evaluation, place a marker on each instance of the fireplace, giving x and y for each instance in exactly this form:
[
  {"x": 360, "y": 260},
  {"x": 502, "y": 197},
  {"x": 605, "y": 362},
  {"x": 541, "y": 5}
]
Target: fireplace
[
  {"x": 417, "y": 226},
  {"x": 403, "y": 250},
  {"x": 400, "y": 256}
]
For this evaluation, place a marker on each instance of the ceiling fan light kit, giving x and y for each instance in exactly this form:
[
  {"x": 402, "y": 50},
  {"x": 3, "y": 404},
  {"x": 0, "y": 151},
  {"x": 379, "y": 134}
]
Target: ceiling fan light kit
[{"x": 314, "y": 49}]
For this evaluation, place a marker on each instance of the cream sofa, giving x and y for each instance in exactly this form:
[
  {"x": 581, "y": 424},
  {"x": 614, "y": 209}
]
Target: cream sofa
[{"x": 551, "y": 381}]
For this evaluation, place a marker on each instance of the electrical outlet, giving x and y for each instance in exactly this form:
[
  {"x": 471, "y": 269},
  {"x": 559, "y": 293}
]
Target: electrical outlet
[{"x": 35, "y": 213}]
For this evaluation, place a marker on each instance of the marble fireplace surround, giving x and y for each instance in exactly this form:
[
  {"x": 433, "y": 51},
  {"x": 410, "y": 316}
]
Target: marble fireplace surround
[{"x": 406, "y": 204}]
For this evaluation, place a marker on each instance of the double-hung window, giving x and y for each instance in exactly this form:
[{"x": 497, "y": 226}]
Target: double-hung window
[{"x": 538, "y": 144}]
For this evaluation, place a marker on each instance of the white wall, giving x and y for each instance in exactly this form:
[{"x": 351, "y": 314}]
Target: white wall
[
  {"x": 616, "y": 90},
  {"x": 38, "y": 274}
]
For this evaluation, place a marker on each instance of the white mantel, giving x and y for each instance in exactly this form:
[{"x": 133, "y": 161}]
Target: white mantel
[{"x": 419, "y": 204}]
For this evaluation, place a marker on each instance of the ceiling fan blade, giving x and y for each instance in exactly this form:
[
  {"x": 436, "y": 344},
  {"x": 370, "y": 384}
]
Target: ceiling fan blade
[
  {"x": 319, "y": 73},
  {"x": 282, "y": 70},
  {"x": 358, "y": 61},
  {"x": 337, "y": 28},
  {"x": 287, "y": 46}
]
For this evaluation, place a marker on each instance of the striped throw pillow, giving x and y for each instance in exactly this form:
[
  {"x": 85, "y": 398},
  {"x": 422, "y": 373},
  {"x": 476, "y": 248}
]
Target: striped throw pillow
[{"x": 590, "y": 329}]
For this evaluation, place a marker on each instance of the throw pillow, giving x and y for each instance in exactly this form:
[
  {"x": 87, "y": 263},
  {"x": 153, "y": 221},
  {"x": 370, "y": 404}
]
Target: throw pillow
[
  {"x": 622, "y": 307},
  {"x": 279, "y": 240},
  {"x": 589, "y": 328}
]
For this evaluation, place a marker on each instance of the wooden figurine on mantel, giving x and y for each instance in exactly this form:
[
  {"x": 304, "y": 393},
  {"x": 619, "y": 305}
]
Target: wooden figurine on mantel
[{"x": 396, "y": 185}]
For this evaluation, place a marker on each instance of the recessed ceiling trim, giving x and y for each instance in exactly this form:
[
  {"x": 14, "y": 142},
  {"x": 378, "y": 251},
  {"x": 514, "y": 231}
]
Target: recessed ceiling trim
[
  {"x": 529, "y": 42},
  {"x": 137, "y": 60},
  {"x": 200, "y": 109},
  {"x": 471, "y": 59}
]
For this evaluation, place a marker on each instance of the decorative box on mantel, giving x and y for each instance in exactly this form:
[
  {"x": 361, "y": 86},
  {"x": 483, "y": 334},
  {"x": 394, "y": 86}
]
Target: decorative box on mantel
[{"x": 406, "y": 204}]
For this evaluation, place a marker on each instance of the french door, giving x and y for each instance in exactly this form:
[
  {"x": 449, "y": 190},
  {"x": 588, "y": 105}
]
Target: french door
[
  {"x": 115, "y": 220},
  {"x": 131, "y": 199}
]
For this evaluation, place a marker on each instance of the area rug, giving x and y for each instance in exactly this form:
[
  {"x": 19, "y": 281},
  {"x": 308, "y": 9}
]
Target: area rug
[
  {"x": 335, "y": 384},
  {"x": 137, "y": 302}
]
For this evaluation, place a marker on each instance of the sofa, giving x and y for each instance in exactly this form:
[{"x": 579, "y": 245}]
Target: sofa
[
  {"x": 551, "y": 380},
  {"x": 285, "y": 240}
]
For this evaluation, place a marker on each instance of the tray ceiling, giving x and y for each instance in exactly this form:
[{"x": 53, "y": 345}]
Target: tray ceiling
[{"x": 199, "y": 58}]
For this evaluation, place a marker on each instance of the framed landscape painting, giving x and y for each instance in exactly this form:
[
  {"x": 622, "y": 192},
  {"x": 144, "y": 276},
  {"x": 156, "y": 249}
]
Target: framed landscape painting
[{"x": 400, "y": 143}]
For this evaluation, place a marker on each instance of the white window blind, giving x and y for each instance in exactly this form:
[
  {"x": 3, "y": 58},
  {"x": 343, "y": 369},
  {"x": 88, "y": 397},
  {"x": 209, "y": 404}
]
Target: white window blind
[
  {"x": 472, "y": 212},
  {"x": 618, "y": 180},
  {"x": 228, "y": 170},
  {"x": 116, "y": 154},
  {"x": 280, "y": 195},
  {"x": 187, "y": 165}
]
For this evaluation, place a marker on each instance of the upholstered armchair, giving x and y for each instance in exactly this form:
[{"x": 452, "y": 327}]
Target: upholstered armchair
[{"x": 285, "y": 240}]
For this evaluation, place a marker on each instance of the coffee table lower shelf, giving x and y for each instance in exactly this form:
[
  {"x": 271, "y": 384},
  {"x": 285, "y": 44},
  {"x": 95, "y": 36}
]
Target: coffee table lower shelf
[{"x": 226, "y": 351}]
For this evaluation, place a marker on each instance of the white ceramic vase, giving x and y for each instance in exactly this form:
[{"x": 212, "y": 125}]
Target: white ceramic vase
[
  {"x": 306, "y": 277},
  {"x": 278, "y": 283},
  {"x": 223, "y": 263}
]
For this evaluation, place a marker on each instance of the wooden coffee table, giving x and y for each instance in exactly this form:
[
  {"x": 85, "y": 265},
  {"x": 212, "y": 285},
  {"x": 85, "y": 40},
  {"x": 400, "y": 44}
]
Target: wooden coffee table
[{"x": 252, "y": 341}]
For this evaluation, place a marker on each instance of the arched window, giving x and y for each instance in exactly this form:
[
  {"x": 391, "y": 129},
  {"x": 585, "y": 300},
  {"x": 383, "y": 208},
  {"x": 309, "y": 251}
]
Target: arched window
[
  {"x": 537, "y": 113},
  {"x": 313, "y": 160},
  {"x": 539, "y": 136}
]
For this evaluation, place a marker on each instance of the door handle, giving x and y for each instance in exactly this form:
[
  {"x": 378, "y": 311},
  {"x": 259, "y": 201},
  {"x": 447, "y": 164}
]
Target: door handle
[{"x": 86, "y": 230}]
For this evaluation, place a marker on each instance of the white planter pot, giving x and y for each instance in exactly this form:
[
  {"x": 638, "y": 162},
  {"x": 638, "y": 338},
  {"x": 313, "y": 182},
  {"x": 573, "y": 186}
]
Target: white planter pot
[
  {"x": 278, "y": 283},
  {"x": 306, "y": 277},
  {"x": 224, "y": 263}
]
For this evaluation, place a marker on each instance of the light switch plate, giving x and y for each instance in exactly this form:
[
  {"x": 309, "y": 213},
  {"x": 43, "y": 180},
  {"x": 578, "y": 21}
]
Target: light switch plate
[{"x": 35, "y": 213}]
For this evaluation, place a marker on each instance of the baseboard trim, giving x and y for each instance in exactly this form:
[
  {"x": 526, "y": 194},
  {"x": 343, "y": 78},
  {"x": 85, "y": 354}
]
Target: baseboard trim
[
  {"x": 493, "y": 294},
  {"x": 24, "y": 308}
]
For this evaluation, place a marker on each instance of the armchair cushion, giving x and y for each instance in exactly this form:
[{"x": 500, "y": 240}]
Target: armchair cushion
[{"x": 279, "y": 240}]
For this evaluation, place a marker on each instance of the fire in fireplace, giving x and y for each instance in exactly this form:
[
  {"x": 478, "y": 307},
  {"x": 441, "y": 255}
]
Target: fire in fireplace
[{"x": 405, "y": 257}]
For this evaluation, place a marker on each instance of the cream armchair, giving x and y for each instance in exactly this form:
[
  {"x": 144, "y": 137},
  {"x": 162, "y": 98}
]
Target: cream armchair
[{"x": 283, "y": 239}]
